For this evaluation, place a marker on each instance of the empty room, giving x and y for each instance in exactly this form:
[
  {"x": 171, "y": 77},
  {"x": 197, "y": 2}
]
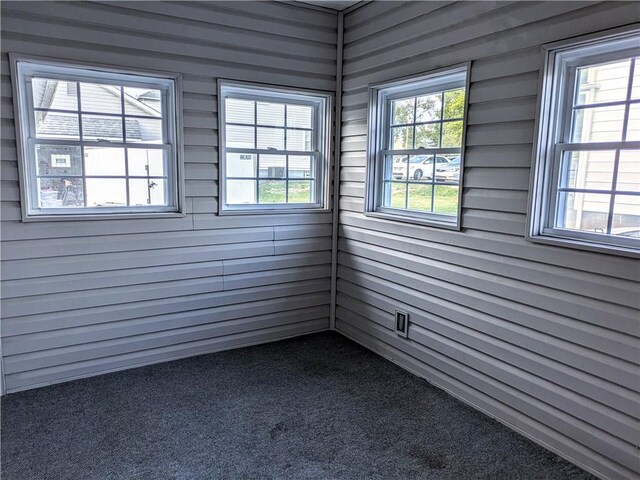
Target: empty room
[{"x": 320, "y": 240}]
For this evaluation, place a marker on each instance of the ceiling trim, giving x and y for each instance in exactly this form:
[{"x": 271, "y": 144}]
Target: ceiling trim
[{"x": 325, "y": 6}]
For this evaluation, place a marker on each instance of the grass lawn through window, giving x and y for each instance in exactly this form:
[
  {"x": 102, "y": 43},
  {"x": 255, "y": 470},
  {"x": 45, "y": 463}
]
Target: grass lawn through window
[
  {"x": 445, "y": 200},
  {"x": 273, "y": 191}
]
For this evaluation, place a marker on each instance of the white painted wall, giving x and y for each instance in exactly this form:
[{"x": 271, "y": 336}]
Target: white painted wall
[
  {"x": 545, "y": 339},
  {"x": 82, "y": 298}
]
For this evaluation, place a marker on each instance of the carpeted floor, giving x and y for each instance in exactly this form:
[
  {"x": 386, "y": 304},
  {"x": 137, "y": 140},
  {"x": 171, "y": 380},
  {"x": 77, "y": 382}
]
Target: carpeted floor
[{"x": 313, "y": 407}]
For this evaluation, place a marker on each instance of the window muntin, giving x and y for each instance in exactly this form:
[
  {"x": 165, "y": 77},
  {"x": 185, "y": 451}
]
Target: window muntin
[
  {"x": 274, "y": 144},
  {"x": 416, "y": 147},
  {"x": 115, "y": 131},
  {"x": 588, "y": 185}
]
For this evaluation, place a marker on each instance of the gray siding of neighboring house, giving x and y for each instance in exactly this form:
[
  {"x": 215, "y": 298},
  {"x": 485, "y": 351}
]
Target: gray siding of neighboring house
[
  {"x": 543, "y": 338},
  {"x": 86, "y": 297}
]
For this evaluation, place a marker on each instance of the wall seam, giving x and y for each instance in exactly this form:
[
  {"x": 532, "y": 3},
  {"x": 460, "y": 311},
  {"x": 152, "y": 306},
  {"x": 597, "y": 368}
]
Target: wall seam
[{"x": 336, "y": 171}]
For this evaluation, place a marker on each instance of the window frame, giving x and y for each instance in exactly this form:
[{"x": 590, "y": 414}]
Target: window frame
[
  {"x": 553, "y": 130},
  {"x": 322, "y": 101},
  {"x": 25, "y": 67},
  {"x": 378, "y": 127}
]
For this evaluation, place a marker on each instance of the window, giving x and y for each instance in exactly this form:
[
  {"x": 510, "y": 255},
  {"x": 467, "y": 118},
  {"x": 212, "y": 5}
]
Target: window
[
  {"x": 416, "y": 139},
  {"x": 274, "y": 145},
  {"x": 587, "y": 177},
  {"x": 60, "y": 161},
  {"x": 95, "y": 142}
]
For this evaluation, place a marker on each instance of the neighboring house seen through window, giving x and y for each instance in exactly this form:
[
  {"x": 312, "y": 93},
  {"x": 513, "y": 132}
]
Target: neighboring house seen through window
[
  {"x": 94, "y": 141},
  {"x": 587, "y": 180},
  {"x": 274, "y": 145},
  {"x": 416, "y": 139}
]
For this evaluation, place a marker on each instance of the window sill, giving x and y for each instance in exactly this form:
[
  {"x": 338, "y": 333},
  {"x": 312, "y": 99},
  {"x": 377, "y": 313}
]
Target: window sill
[
  {"x": 272, "y": 211},
  {"x": 584, "y": 245},
  {"x": 454, "y": 224},
  {"x": 99, "y": 216}
]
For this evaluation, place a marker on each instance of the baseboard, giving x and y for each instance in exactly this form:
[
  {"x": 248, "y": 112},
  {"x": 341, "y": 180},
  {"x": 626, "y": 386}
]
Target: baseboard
[
  {"x": 169, "y": 358},
  {"x": 388, "y": 354}
]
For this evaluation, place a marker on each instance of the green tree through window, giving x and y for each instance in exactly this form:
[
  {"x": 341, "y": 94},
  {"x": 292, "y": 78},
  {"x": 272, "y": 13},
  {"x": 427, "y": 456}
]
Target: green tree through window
[{"x": 426, "y": 119}]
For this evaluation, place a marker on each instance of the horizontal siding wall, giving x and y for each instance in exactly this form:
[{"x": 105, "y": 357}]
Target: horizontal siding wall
[
  {"x": 545, "y": 339},
  {"x": 82, "y": 298}
]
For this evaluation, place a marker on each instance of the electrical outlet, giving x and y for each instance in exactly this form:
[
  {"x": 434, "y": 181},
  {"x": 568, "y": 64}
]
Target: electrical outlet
[{"x": 402, "y": 323}]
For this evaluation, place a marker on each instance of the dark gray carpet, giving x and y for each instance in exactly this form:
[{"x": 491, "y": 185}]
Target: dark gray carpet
[{"x": 313, "y": 407}]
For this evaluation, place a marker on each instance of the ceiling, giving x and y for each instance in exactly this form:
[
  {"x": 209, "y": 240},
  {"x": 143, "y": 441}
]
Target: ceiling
[{"x": 333, "y": 4}]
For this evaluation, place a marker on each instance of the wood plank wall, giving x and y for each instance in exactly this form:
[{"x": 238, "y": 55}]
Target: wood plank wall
[
  {"x": 545, "y": 339},
  {"x": 85, "y": 297}
]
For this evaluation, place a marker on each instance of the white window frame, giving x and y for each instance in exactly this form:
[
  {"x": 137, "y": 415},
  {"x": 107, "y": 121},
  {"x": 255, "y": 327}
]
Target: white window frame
[
  {"x": 25, "y": 67},
  {"x": 378, "y": 129},
  {"x": 553, "y": 131},
  {"x": 322, "y": 103}
]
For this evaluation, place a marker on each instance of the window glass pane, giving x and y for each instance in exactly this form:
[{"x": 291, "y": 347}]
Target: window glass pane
[
  {"x": 240, "y": 111},
  {"x": 442, "y": 160},
  {"x": 602, "y": 83},
  {"x": 594, "y": 191},
  {"x": 626, "y": 216},
  {"x": 146, "y": 162},
  {"x": 60, "y": 192},
  {"x": 420, "y": 167},
  {"x": 55, "y": 125},
  {"x": 588, "y": 170},
  {"x": 587, "y": 212},
  {"x": 402, "y": 111},
  {"x": 95, "y": 97},
  {"x": 240, "y": 137},
  {"x": 394, "y": 165},
  {"x": 300, "y": 191},
  {"x": 273, "y": 166},
  {"x": 144, "y": 191},
  {"x": 271, "y": 138},
  {"x": 56, "y": 160},
  {"x": 299, "y": 116},
  {"x": 101, "y": 127},
  {"x": 55, "y": 94},
  {"x": 598, "y": 124},
  {"x": 448, "y": 172},
  {"x": 299, "y": 140},
  {"x": 429, "y": 108},
  {"x": 402, "y": 138},
  {"x": 106, "y": 192},
  {"x": 300, "y": 166},
  {"x": 143, "y": 101},
  {"x": 271, "y": 114},
  {"x": 454, "y": 103},
  {"x": 272, "y": 191},
  {"x": 400, "y": 167},
  {"x": 409, "y": 182},
  {"x": 396, "y": 195},
  {"x": 144, "y": 130},
  {"x": 633, "y": 126},
  {"x": 452, "y": 134},
  {"x": 241, "y": 165},
  {"x": 104, "y": 162},
  {"x": 241, "y": 192},
  {"x": 446, "y": 199},
  {"x": 428, "y": 135},
  {"x": 629, "y": 171},
  {"x": 282, "y": 129},
  {"x": 81, "y": 125},
  {"x": 419, "y": 197},
  {"x": 635, "y": 90}
]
